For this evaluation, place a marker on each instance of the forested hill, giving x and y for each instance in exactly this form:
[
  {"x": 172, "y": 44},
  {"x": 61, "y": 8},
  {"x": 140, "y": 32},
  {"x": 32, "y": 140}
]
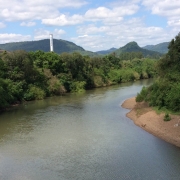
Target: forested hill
[
  {"x": 133, "y": 47},
  {"x": 162, "y": 47},
  {"x": 105, "y": 52},
  {"x": 60, "y": 46}
]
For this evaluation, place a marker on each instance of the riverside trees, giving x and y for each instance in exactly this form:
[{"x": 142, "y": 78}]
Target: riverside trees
[
  {"x": 165, "y": 92},
  {"x": 36, "y": 75}
]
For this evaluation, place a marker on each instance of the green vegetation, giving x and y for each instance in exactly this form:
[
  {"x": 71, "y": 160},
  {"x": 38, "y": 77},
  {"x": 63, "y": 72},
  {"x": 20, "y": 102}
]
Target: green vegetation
[
  {"x": 60, "y": 46},
  {"x": 106, "y": 52},
  {"x": 162, "y": 47},
  {"x": 26, "y": 76},
  {"x": 164, "y": 92},
  {"x": 167, "y": 117},
  {"x": 133, "y": 47}
]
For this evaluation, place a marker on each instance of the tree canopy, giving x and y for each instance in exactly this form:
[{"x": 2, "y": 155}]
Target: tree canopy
[
  {"x": 32, "y": 75},
  {"x": 164, "y": 93}
]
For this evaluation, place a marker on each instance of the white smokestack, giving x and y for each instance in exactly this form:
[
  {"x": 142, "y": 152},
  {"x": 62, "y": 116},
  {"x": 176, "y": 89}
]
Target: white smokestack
[{"x": 51, "y": 42}]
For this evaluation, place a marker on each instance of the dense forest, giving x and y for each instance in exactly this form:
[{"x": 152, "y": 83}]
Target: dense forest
[
  {"x": 26, "y": 76},
  {"x": 165, "y": 91}
]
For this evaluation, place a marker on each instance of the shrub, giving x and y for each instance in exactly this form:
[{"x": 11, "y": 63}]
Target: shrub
[
  {"x": 34, "y": 93},
  {"x": 114, "y": 76},
  {"x": 144, "y": 75},
  {"x": 136, "y": 75},
  {"x": 98, "y": 81},
  {"x": 167, "y": 117},
  {"x": 172, "y": 98},
  {"x": 127, "y": 75},
  {"x": 77, "y": 86},
  {"x": 55, "y": 86},
  {"x": 142, "y": 95}
]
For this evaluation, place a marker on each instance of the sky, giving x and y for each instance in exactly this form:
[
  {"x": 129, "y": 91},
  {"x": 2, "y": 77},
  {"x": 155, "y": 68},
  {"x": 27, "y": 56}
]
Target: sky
[{"x": 92, "y": 24}]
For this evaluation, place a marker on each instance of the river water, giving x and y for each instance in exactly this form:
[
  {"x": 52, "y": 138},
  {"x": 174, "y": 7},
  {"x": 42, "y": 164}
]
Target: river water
[{"x": 83, "y": 137}]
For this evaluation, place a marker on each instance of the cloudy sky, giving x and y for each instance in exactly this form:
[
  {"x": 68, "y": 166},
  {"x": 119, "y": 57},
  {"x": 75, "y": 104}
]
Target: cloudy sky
[{"x": 93, "y": 24}]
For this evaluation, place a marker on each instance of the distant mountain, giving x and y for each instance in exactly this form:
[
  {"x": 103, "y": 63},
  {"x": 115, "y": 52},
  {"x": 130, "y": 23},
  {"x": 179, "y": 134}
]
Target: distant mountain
[
  {"x": 43, "y": 45},
  {"x": 89, "y": 53},
  {"x": 134, "y": 47},
  {"x": 162, "y": 47},
  {"x": 61, "y": 46},
  {"x": 105, "y": 52}
]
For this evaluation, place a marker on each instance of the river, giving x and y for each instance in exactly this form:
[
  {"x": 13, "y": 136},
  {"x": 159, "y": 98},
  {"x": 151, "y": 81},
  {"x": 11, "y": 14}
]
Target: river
[{"x": 83, "y": 137}]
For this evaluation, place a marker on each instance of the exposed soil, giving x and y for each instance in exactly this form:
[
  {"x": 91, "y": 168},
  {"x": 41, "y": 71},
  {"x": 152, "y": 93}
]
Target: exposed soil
[{"x": 146, "y": 118}]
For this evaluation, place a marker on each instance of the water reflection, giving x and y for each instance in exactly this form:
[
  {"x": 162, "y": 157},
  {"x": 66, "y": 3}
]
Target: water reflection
[{"x": 82, "y": 136}]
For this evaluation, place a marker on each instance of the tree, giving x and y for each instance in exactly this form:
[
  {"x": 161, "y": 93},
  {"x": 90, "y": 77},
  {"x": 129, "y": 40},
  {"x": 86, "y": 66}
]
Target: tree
[{"x": 164, "y": 92}]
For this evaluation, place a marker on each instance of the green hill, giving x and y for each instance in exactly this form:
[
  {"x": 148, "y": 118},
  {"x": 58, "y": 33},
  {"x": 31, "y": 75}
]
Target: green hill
[
  {"x": 133, "y": 47},
  {"x": 161, "y": 47},
  {"x": 43, "y": 45},
  {"x": 89, "y": 53},
  {"x": 105, "y": 52},
  {"x": 60, "y": 46}
]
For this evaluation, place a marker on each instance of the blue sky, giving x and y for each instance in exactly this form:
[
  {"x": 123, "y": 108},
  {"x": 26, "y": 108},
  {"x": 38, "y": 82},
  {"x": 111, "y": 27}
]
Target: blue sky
[{"x": 94, "y": 24}]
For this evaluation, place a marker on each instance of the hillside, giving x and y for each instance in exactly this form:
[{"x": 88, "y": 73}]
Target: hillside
[
  {"x": 134, "y": 47},
  {"x": 61, "y": 46},
  {"x": 161, "y": 47},
  {"x": 43, "y": 45},
  {"x": 105, "y": 52},
  {"x": 89, "y": 53}
]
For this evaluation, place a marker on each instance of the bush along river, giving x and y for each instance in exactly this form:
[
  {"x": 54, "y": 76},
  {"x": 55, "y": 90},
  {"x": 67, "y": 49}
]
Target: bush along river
[{"x": 83, "y": 137}]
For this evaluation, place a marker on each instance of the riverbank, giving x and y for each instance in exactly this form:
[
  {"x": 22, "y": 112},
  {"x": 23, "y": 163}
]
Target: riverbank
[{"x": 146, "y": 118}]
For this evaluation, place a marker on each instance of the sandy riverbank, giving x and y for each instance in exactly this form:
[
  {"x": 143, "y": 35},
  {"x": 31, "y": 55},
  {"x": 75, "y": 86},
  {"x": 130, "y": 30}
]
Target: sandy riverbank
[{"x": 146, "y": 118}]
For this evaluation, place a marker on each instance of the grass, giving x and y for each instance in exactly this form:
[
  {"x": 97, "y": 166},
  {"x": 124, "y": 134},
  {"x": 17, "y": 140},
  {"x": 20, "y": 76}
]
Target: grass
[{"x": 164, "y": 110}]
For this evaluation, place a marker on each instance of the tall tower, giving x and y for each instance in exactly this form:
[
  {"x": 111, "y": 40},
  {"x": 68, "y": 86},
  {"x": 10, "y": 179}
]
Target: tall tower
[{"x": 51, "y": 42}]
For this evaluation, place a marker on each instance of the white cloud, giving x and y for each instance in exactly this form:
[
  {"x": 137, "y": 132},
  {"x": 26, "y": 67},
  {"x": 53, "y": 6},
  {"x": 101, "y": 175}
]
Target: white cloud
[
  {"x": 5, "y": 38},
  {"x": 13, "y": 10},
  {"x": 44, "y": 34},
  {"x": 92, "y": 29},
  {"x": 99, "y": 13},
  {"x": 91, "y": 42},
  {"x": 2, "y": 25},
  {"x": 112, "y": 15},
  {"x": 174, "y": 22},
  {"x": 64, "y": 20},
  {"x": 83, "y": 36},
  {"x": 107, "y": 36},
  {"x": 110, "y": 24},
  {"x": 28, "y": 24},
  {"x": 59, "y": 32},
  {"x": 167, "y": 8}
]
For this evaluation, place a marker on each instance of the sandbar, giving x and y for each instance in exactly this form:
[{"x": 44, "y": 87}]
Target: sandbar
[{"x": 146, "y": 118}]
